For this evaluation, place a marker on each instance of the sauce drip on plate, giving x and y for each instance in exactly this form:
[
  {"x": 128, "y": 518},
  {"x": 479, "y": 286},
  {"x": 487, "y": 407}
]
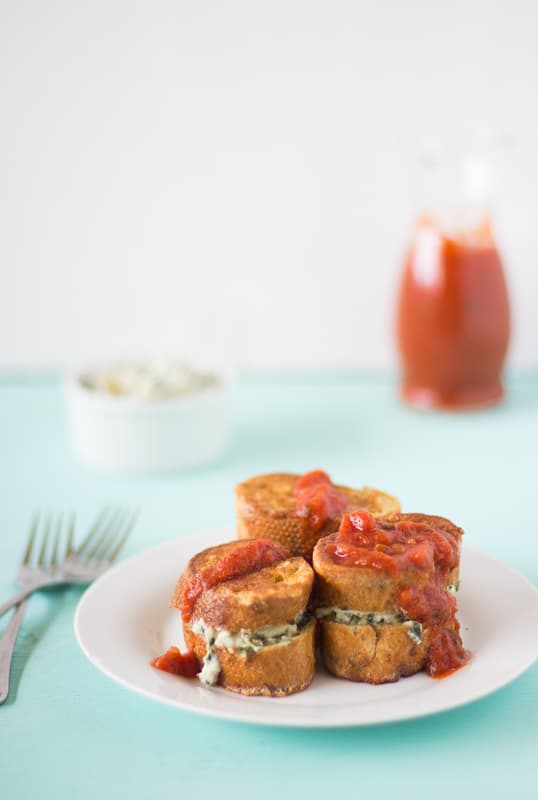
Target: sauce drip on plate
[{"x": 177, "y": 663}]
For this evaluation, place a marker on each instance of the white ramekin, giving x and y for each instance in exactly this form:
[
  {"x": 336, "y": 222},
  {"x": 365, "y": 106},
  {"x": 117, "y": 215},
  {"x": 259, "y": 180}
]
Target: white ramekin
[{"x": 132, "y": 434}]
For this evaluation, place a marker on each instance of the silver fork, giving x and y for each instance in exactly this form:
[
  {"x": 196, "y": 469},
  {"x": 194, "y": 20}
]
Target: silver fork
[{"x": 96, "y": 553}]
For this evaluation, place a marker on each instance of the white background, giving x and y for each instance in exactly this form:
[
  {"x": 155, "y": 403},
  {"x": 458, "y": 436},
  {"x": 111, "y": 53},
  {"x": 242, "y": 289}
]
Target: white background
[{"x": 237, "y": 176}]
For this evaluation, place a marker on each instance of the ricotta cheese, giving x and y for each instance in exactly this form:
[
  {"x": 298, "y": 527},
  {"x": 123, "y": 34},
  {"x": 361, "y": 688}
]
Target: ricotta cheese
[
  {"x": 156, "y": 379},
  {"x": 242, "y": 642},
  {"x": 348, "y": 616}
]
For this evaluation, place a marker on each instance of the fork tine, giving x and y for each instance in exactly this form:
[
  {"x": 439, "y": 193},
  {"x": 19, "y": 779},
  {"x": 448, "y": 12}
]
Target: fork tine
[
  {"x": 117, "y": 542},
  {"x": 105, "y": 534},
  {"x": 43, "y": 550},
  {"x": 108, "y": 536},
  {"x": 31, "y": 538},
  {"x": 54, "y": 555},
  {"x": 93, "y": 531},
  {"x": 70, "y": 534}
]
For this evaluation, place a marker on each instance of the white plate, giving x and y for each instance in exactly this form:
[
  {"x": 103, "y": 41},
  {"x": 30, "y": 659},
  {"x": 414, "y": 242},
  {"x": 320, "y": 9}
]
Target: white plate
[{"x": 123, "y": 621}]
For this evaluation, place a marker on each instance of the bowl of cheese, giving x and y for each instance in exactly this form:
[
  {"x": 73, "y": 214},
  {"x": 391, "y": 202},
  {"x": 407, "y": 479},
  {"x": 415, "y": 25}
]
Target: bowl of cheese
[{"x": 156, "y": 414}]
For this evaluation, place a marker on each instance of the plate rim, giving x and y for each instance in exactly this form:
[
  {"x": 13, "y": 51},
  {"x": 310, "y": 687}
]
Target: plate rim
[{"x": 237, "y": 716}]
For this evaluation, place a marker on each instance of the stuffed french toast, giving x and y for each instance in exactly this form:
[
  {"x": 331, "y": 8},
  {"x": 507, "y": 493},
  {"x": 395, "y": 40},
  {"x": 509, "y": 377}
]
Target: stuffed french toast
[
  {"x": 385, "y": 597},
  {"x": 245, "y": 618},
  {"x": 297, "y": 510},
  {"x": 382, "y": 591}
]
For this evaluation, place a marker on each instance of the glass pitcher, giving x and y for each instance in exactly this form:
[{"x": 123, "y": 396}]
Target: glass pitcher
[{"x": 453, "y": 317}]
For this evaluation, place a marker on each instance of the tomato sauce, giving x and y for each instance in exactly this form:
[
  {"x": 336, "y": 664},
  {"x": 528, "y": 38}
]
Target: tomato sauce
[
  {"x": 246, "y": 557},
  {"x": 177, "y": 663},
  {"x": 453, "y": 322},
  {"x": 432, "y": 605},
  {"x": 446, "y": 654},
  {"x": 402, "y": 547},
  {"x": 393, "y": 547},
  {"x": 317, "y": 500}
]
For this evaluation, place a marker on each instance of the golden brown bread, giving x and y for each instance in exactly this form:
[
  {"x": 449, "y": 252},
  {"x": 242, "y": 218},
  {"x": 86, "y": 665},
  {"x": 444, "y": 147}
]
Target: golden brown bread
[
  {"x": 372, "y": 653},
  {"x": 364, "y": 652},
  {"x": 274, "y": 671},
  {"x": 370, "y": 589},
  {"x": 271, "y": 596},
  {"x": 360, "y": 588},
  {"x": 266, "y": 509},
  {"x": 254, "y": 629},
  {"x": 358, "y": 648}
]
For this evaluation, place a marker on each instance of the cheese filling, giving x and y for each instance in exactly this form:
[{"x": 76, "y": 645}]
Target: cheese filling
[
  {"x": 243, "y": 642},
  {"x": 347, "y": 616}
]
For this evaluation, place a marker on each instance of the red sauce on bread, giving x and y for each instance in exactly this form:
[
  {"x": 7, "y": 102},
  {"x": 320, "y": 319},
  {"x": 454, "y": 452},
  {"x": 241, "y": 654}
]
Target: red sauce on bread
[
  {"x": 317, "y": 499},
  {"x": 246, "y": 557},
  {"x": 177, "y": 663},
  {"x": 430, "y": 604},
  {"x": 401, "y": 548},
  {"x": 393, "y": 547}
]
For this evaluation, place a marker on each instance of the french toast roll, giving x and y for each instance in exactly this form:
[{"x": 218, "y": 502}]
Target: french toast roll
[
  {"x": 372, "y": 653},
  {"x": 245, "y": 616},
  {"x": 441, "y": 524},
  {"x": 298, "y": 510},
  {"x": 385, "y": 597}
]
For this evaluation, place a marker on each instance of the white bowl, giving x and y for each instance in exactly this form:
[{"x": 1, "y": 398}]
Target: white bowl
[{"x": 125, "y": 432}]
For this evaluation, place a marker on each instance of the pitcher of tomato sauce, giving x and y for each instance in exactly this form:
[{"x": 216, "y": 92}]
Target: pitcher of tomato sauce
[{"x": 453, "y": 317}]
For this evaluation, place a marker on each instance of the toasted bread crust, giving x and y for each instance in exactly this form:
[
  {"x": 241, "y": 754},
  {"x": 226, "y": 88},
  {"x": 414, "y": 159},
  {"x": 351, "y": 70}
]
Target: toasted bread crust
[
  {"x": 272, "y": 596},
  {"x": 372, "y": 653},
  {"x": 266, "y": 509},
  {"x": 368, "y": 589},
  {"x": 274, "y": 671},
  {"x": 360, "y": 588}
]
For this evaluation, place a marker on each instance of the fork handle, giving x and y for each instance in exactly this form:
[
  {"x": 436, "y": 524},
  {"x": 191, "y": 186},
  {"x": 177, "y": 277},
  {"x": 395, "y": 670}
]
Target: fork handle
[
  {"x": 16, "y": 599},
  {"x": 23, "y": 594},
  {"x": 7, "y": 646}
]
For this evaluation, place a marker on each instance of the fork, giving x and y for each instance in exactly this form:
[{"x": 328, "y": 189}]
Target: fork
[
  {"x": 98, "y": 550},
  {"x": 96, "y": 553}
]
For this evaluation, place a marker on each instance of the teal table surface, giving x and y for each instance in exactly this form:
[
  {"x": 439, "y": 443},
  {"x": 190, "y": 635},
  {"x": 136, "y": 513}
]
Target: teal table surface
[{"x": 68, "y": 732}]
